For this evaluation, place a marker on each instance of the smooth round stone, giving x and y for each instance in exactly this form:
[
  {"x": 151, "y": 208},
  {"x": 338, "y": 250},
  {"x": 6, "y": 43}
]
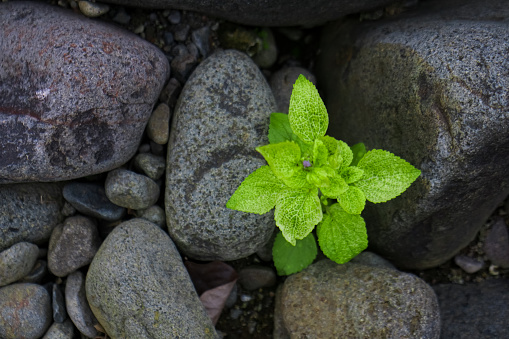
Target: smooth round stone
[
  {"x": 154, "y": 214},
  {"x": 93, "y": 9},
  {"x": 138, "y": 287},
  {"x": 77, "y": 305},
  {"x": 128, "y": 189},
  {"x": 255, "y": 277},
  {"x": 63, "y": 330},
  {"x": 25, "y": 311},
  {"x": 90, "y": 199},
  {"x": 158, "y": 127},
  {"x": 17, "y": 261},
  {"x": 282, "y": 82},
  {"x": 58, "y": 304},
  {"x": 72, "y": 245},
  {"x": 37, "y": 273},
  {"x": 152, "y": 165},
  {"x": 496, "y": 245},
  {"x": 467, "y": 264}
]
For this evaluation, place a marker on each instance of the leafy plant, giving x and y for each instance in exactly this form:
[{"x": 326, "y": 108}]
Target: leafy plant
[{"x": 313, "y": 179}]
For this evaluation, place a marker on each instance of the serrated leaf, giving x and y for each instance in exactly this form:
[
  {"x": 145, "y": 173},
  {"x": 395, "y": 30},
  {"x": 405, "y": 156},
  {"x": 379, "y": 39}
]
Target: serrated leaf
[
  {"x": 290, "y": 259},
  {"x": 385, "y": 175},
  {"x": 307, "y": 113},
  {"x": 358, "y": 151},
  {"x": 283, "y": 158},
  {"x": 336, "y": 187},
  {"x": 279, "y": 129},
  {"x": 346, "y": 154},
  {"x": 320, "y": 153},
  {"x": 297, "y": 212},
  {"x": 258, "y": 193},
  {"x": 352, "y": 174},
  {"x": 352, "y": 200},
  {"x": 318, "y": 177},
  {"x": 341, "y": 235}
]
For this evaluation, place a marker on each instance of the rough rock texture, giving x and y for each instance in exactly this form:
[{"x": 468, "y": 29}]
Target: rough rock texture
[
  {"x": 474, "y": 310},
  {"x": 76, "y": 93},
  {"x": 131, "y": 190},
  {"x": 17, "y": 261},
  {"x": 29, "y": 212},
  {"x": 432, "y": 87},
  {"x": 63, "y": 330},
  {"x": 266, "y": 13},
  {"x": 221, "y": 116},
  {"x": 25, "y": 311},
  {"x": 328, "y": 300},
  {"x": 77, "y": 306},
  {"x": 72, "y": 245},
  {"x": 138, "y": 287}
]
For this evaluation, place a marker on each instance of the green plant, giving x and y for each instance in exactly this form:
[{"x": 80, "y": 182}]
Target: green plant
[{"x": 307, "y": 172}]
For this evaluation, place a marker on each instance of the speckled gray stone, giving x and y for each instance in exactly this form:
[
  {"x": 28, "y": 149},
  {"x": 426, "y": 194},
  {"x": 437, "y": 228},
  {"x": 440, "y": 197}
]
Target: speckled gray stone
[
  {"x": 77, "y": 305},
  {"x": 432, "y": 87},
  {"x": 17, "y": 261},
  {"x": 63, "y": 330},
  {"x": 131, "y": 190},
  {"x": 91, "y": 199},
  {"x": 92, "y": 9},
  {"x": 152, "y": 165},
  {"x": 158, "y": 127},
  {"x": 328, "y": 300},
  {"x": 72, "y": 245},
  {"x": 29, "y": 212},
  {"x": 25, "y": 311},
  {"x": 221, "y": 116},
  {"x": 153, "y": 214},
  {"x": 76, "y": 93},
  {"x": 153, "y": 296},
  {"x": 266, "y": 13}
]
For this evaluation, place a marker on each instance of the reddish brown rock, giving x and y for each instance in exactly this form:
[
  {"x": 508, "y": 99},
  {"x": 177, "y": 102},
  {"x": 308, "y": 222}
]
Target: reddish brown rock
[{"x": 75, "y": 94}]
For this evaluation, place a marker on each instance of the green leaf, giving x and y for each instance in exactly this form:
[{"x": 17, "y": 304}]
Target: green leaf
[
  {"x": 358, "y": 151},
  {"x": 320, "y": 153},
  {"x": 283, "y": 158},
  {"x": 297, "y": 213},
  {"x": 307, "y": 114},
  {"x": 352, "y": 174},
  {"x": 336, "y": 187},
  {"x": 352, "y": 200},
  {"x": 385, "y": 175},
  {"x": 290, "y": 259},
  {"x": 341, "y": 235},
  {"x": 346, "y": 154},
  {"x": 258, "y": 193},
  {"x": 280, "y": 130},
  {"x": 318, "y": 177}
]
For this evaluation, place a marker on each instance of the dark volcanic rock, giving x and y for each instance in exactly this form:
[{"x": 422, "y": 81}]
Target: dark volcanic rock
[{"x": 75, "y": 94}]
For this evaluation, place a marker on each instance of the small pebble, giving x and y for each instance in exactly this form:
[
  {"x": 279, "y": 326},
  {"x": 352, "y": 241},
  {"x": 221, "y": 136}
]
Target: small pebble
[
  {"x": 467, "y": 264},
  {"x": 174, "y": 17},
  {"x": 158, "y": 127},
  {"x": 181, "y": 32},
  {"x": 193, "y": 50},
  {"x": 179, "y": 50},
  {"x": 232, "y": 298},
  {"x": 245, "y": 298},
  {"x": 182, "y": 66},
  {"x": 157, "y": 149},
  {"x": 144, "y": 148},
  {"x": 38, "y": 272},
  {"x": 171, "y": 92},
  {"x": 77, "y": 305},
  {"x": 72, "y": 245},
  {"x": 235, "y": 313},
  {"x": 90, "y": 199},
  {"x": 255, "y": 277},
  {"x": 151, "y": 165},
  {"x": 131, "y": 190},
  {"x": 267, "y": 55},
  {"x": 58, "y": 304},
  {"x": 63, "y": 330},
  {"x": 200, "y": 38},
  {"x": 93, "y": 9},
  {"x": 496, "y": 245},
  {"x": 168, "y": 38},
  {"x": 25, "y": 311},
  {"x": 139, "y": 29},
  {"x": 17, "y": 261},
  {"x": 153, "y": 214},
  {"x": 122, "y": 17}
]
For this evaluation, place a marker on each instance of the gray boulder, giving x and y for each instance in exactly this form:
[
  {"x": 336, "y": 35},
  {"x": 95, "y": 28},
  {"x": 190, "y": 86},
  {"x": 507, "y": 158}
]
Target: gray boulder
[
  {"x": 431, "y": 86},
  {"x": 266, "y": 13},
  {"x": 138, "y": 287},
  {"x": 29, "y": 212},
  {"x": 75, "y": 96},
  {"x": 328, "y": 300},
  {"x": 221, "y": 116}
]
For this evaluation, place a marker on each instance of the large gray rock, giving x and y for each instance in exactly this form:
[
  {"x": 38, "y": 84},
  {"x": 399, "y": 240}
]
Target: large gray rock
[
  {"x": 29, "y": 212},
  {"x": 328, "y": 300},
  {"x": 221, "y": 116},
  {"x": 266, "y": 13},
  {"x": 138, "y": 287},
  {"x": 431, "y": 87},
  {"x": 474, "y": 310},
  {"x": 75, "y": 96}
]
